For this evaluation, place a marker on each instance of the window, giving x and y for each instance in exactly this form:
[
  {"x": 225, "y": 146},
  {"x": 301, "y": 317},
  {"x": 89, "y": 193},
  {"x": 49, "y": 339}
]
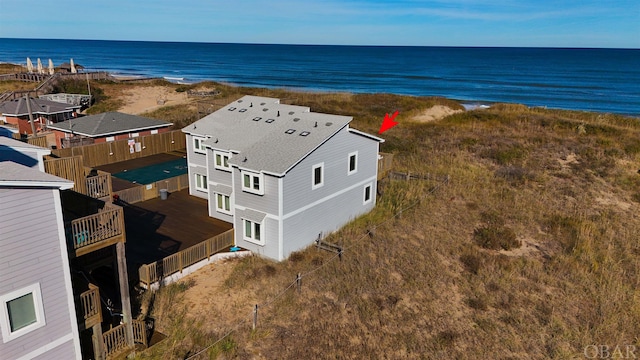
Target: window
[
  {"x": 269, "y": 121},
  {"x": 257, "y": 118},
  {"x": 198, "y": 145},
  {"x": 22, "y": 312},
  {"x": 111, "y": 138},
  {"x": 305, "y": 133},
  {"x": 154, "y": 131},
  {"x": 252, "y": 183},
  {"x": 242, "y": 110},
  {"x": 317, "y": 176},
  {"x": 253, "y": 231},
  {"x": 201, "y": 182},
  {"x": 231, "y": 108},
  {"x": 221, "y": 160},
  {"x": 367, "y": 193},
  {"x": 134, "y": 135},
  {"x": 223, "y": 203},
  {"x": 353, "y": 163},
  {"x": 290, "y": 131}
]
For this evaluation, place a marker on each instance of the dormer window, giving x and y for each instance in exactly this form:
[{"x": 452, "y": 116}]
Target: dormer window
[
  {"x": 252, "y": 182},
  {"x": 198, "y": 145},
  {"x": 221, "y": 160}
]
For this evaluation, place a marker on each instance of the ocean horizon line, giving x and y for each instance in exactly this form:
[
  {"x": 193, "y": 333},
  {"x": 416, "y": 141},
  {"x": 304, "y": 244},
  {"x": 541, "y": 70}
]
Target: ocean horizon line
[{"x": 335, "y": 45}]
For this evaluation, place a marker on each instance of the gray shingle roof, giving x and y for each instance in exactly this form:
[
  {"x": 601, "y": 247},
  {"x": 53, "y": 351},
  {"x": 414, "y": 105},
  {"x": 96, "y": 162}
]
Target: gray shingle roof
[
  {"x": 16, "y": 175},
  {"x": 256, "y": 128},
  {"x": 108, "y": 123},
  {"x": 18, "y": 107}
]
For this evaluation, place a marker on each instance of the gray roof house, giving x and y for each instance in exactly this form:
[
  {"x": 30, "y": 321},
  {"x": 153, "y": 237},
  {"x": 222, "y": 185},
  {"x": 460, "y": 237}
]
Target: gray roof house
[
  {"x": 283, "y": 175},
  {"x": 109, "y": 123},
  {"x": 37, "y": 311},
  {"x": 52, "y": 110}
]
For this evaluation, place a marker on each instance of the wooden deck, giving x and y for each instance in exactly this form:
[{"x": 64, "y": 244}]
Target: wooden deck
[{"x": 158, "y": 228}]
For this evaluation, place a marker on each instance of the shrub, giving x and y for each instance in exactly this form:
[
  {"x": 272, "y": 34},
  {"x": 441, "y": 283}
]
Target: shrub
[
  {"x": 471, "y": 262},
  {"x": 495, "y": 238}
]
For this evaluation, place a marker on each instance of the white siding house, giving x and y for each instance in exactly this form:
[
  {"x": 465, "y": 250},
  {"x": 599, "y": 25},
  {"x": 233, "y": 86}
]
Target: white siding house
[
  {"x": 283, "y": 175},
  {"x": 37, "y": 313}
]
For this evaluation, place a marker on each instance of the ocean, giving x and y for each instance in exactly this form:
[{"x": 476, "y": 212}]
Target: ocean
[{"x": 600, "y": 80}]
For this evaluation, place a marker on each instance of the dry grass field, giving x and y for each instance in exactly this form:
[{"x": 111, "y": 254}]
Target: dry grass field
[{"x": 530, "y": 251}]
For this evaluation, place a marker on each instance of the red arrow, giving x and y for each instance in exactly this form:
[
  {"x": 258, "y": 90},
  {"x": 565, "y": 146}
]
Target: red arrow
[{"x": 388, "y": 122}]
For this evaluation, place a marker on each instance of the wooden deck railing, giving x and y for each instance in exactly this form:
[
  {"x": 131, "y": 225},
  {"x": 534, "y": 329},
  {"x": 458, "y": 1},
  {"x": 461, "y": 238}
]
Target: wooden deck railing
[
  {"x": 89, "y": 306},
  {"x": 385, "y": 162},
  {"x": 99, "y": 186},
  {"x": 156, "y": 271},
  {"x": 140, "y": 332},
  {"x": 139, "y": 193},
  {"x": 94, "y": 229},
  {"x": 115, "y": 340}
]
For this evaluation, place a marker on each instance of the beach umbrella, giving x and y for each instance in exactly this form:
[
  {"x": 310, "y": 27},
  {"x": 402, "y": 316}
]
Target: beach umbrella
[
  {"x": 29, "y": 65},
  {"x": 39, "y": 66},
  {"x": 73, "y": 68},
  {"x": 51, "y": 71}
]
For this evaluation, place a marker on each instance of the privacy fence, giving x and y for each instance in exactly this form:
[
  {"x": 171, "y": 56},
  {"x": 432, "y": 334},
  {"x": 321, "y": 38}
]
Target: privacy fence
[{"x": 121, "y": 150}]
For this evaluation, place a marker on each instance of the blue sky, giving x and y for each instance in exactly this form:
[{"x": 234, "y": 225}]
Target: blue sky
[{"x": 555, "y": 23}]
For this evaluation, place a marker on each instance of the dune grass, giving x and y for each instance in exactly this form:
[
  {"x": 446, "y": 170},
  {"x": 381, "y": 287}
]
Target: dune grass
[{"x": 553, "y": 195}]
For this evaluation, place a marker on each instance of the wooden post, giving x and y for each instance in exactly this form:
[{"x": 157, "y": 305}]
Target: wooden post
[
  {"x": 98, "y": 342},
  {"x": 255, "y": 316},
  {"x": 299, "y": 282},
  {"x": 340, "y": 254},
  {"x": 124, "y": 292}
]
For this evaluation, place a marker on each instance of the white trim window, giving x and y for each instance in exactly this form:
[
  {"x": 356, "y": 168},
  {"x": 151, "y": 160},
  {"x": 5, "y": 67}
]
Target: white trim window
[
  {"x": 252, "y": 182},
  {"x": 252, "y": 232},
  {"x": 201, "y": 182},
  {"x": 352, "y": 163},
  {"x": 198, "y": 145},
  {"x": 317, "y": 176},
  {"x": 154, "y": 131},
  {"x": 221, "y": 160},
  {"x": 22, "y": 312},
  {"x": 223, "y": 203},
  {"x": 111, "y": 138},
  {"x": 368, "y": 194}
]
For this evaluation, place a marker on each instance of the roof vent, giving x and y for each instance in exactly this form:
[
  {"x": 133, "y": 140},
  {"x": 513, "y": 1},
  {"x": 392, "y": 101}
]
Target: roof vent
[
  {"x": 231, "y": 108},
  {"x": 278, "y": 112},
  {"x": 316, "y": 124},
  {"x": 194, "y": 126},
  {"x": 269, "y": 121},
  {"x": 257, "y": 118},
  {"x": 296, "y": 119},
  {"x": 290, "y": 131},
  {"x": 262, "y": 103},
  {"x": 329, "y": 124},
  {"x": 216, "y": 140},
  {"x": 251, "y": 105},
  {"x": 240, "y": 100},
  {"x": 304, "y": 133},
  {"x": 291, "y": 112},
  {"x": 245, "y": 159},
  {"x": 242, "y": 110},
  {"x": 265, "y": 109}
]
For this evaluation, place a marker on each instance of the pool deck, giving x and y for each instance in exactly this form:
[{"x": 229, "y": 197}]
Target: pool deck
[
  {"x": 158, "y": 228},
  {"x": 121, "y": 184}
]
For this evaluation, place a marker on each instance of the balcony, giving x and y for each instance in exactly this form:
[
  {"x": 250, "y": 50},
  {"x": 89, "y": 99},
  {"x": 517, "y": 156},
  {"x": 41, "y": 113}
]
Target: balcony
[
  {"x": 88, "y": 308},
  {"x": 94, "y": 232}
]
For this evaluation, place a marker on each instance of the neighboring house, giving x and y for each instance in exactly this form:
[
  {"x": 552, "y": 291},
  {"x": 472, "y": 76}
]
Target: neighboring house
[
  {"x": 109, "y": 126},
  {"x": 37, "y": 311},
  {"x": 283, "y": 175},
  {"x": 44, "y": 112},
  {"x": 46, "y": 231},
  {"x": 22, "y": 153}
]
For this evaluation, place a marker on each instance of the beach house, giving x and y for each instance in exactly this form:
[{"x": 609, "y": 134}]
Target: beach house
[
  {"x": 37, "y": 311},
  {"x": 282, "y": 175},
  {"x": 53, "y": 242},
  {"x": 17, "y": 112},
  {"x": 105, "y": 127}
]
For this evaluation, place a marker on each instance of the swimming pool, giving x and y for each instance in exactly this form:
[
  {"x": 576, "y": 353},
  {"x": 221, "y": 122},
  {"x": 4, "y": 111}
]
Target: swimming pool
[{"x": 152, "y": 173}]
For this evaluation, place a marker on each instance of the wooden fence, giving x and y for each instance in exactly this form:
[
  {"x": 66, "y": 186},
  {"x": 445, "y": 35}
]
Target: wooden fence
[
  {"x": 385, "y": 162},
  {"x": 151, "y": 273},
  {"x": 141, "y": 193},
  {"x": 116, "y": 151},
  {"x": 69, "y": 168},
  {"x": 99, "y": 186}
]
